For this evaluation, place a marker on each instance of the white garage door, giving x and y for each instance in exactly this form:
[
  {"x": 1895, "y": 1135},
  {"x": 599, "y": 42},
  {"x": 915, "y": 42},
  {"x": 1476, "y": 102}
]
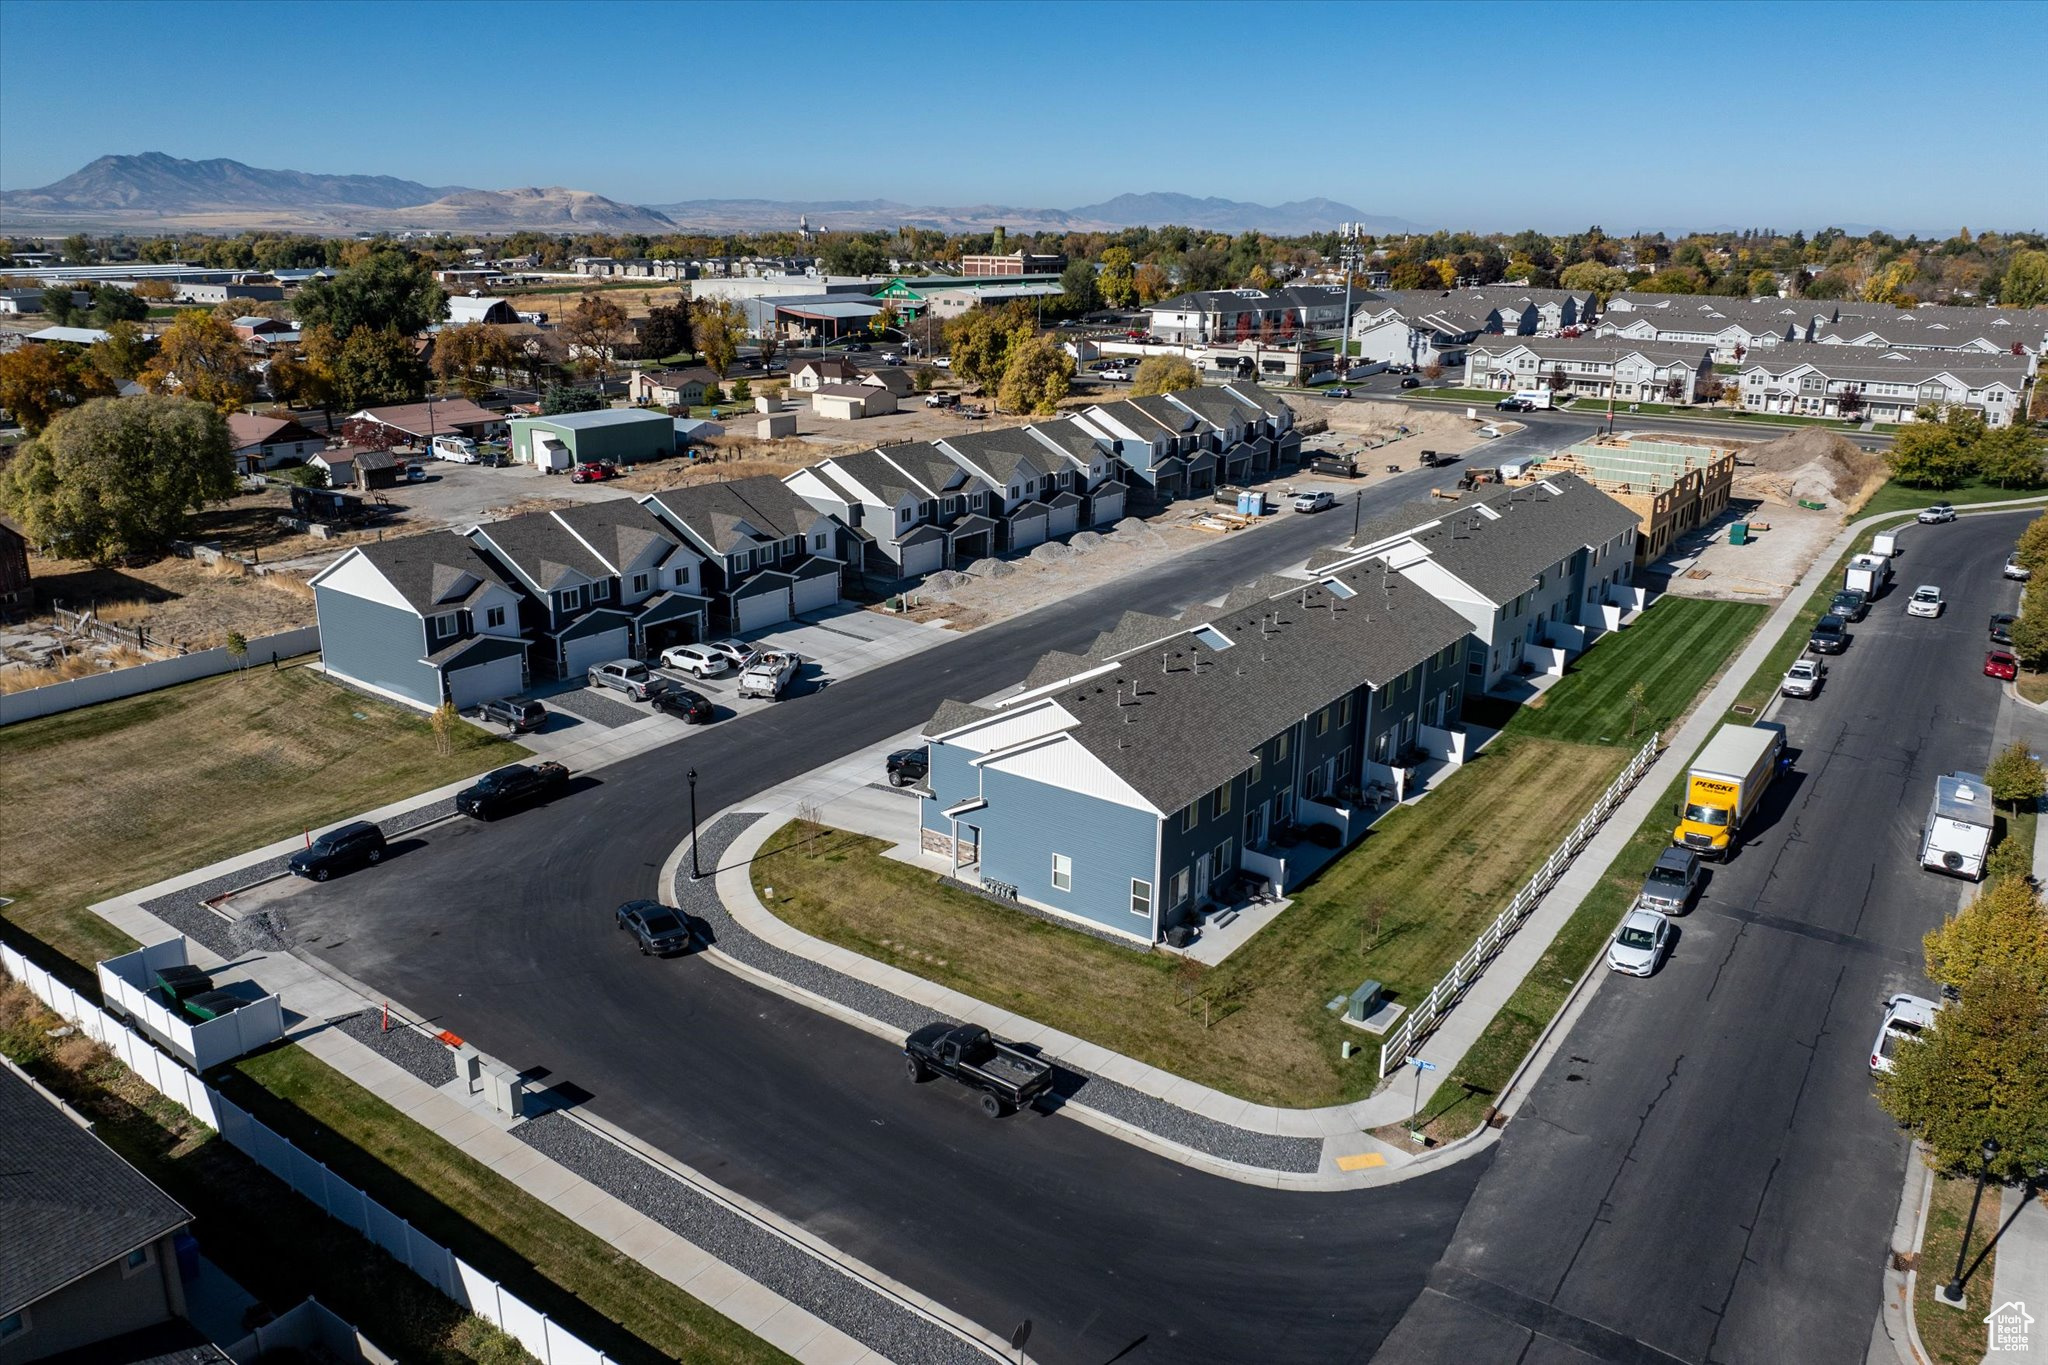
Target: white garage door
[
  {"x": 816, "y": 594},
  {"x": 926, "y": 557},
  {"x": 762, "y": 609},
  {"x": 1027, "y": 533},
  {"x": 1063, "y": 521},
  {"x": 594, "y": 649},
  {"x": 479, "y": 683}
]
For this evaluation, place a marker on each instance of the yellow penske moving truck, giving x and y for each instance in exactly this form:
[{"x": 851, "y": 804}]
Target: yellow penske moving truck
[{"x": 1725, "y": 785}]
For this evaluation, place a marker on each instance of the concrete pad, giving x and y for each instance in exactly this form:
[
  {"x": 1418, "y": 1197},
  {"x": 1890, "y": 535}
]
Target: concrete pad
[
  {"x": 678, "y": 1261},
  {"x": 646, "y": 1240},
  {"x": 752, "y": 1304},
  {"x": 575, "y": 1201},
  {"x": 790, "y": 1329},
  {"x": 716, "y": 1283},
  {"x": 834, "y": 1347}
]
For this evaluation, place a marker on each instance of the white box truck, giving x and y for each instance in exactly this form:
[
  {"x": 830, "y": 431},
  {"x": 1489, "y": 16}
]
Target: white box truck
[
  {"x": 1535, "y": 398},
  {"x": 1958, "y": 832},
  {"x": 1868, "y": 575},
  {"x": 1725, "y": 785}
]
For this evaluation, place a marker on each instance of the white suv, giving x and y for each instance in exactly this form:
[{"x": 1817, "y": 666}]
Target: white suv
[
  {"x": 701, "y": 660},
  {"x": 1905, "y": 1016},
  {"x": 1925, "y": 601}
]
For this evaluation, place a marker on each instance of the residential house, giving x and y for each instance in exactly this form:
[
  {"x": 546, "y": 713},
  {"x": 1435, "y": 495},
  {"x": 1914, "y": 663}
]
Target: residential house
[
  {"x": 17, "y": 593},
  {"x": 1538, "y": 570},
  {"x": 1591, "y": 367},
  {"x": 768, "y": 554},
  {"x": 1097, "y": 476},
  {"x": 420, "y": 423},
  {"x": 684, "y": 388},
  {"x": 894, "y": 378},
  {"x": 1128, "y": 789},
  {"x": 1671, "y": 484},
  {"x": 1034, "y": 484},
  {"x": 1882, "y": 386},
  {"x": 851, "y": 402},
  {"x": 1239, "y": 315},
  {"x": 88, "y": 1245},
  {"x": 597, "y": 581},
  {"x": 258, "y": 333},
  {"x": 17, "y": 302},
  {"x": 263, "y": 442},
  {"x": 352, "y": 467},
  {"x": 960, "y": 503},
  {"x": 1156, "y": 454},
  {"x": 1988, "y": 333},
  {"x": 421, "y": 620},
  {"x": 810, "y": 375}
]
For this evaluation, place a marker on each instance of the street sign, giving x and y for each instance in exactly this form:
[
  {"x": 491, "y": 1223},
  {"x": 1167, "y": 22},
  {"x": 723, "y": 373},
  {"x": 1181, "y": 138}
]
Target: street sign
[{"x": 1421, "y": 1065}]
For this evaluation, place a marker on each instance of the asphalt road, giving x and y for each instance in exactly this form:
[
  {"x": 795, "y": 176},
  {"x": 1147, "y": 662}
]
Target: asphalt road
[
  {"x": 501, "y": 933},
  {"x": 1703, "y": 1174}
]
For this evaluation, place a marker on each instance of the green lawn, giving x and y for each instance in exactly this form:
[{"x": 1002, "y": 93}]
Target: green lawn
[
  {"x": 1897, "y": 497},
  {"x": 1955, "y": 1336},
  {"x": 1672, "y": 651}
]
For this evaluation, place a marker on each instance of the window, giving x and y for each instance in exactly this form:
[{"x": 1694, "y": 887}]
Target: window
[
  {"x": 1141, "y": 897},
  {"x": 818, "y": 541},
  {"x": 444, "y": 624},
  {"x": 1280, "y": 750},
  {"x": 572, "y": 598},
  {"x": 494, "y": 617},
  {"x": 1323, "y": 721},
  {"x": 1251, "y": 779},
  {"x": 639, "y": 582},
  {"x": 1190, "y": 815},
  {"x": 1177, "y": 889},
  {"x": 682, "y": 576},
  {"x": 1219, "y": 801},
  {"x": 1062, "y": 872},
  {"x": 14, "y": 1324},
  {"x": 1219, "y": 861},
  {"x": 139, "y": 1259},
  {"x": 1344, "y": 710}
]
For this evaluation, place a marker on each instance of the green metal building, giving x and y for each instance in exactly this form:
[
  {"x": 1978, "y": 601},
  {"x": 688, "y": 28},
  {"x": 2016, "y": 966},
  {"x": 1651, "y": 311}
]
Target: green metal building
[{"x": 622, "y": 435}]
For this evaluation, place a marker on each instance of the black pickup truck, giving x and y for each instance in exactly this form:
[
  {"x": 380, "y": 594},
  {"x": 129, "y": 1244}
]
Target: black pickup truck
[
  {"x": 1007, "y": 1079},
  {"x": 508, "y": 789}
]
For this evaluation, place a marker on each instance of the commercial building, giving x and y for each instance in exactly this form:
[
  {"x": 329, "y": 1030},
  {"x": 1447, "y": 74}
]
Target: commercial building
[
  {"x": 1016, "y": 263},
  {"x": 621, "y": 435}
]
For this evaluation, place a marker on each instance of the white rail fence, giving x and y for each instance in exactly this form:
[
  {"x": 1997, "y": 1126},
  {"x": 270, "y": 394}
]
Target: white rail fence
[
  {"x": 544, "y": 1338},
  {"x": 1413, "y": 1031}
]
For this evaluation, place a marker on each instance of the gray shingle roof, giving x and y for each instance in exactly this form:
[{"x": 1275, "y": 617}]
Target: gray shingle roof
[
  {"x": 933, "y": 468},
  {"x": 426, "y": 568},
  {"x": 1171, "y": 415},
  {"x": 1133, "y": 629},
  {"x": 714, "y": 511},
  {"x": 541, "y": 549},
  {"x": 1534, "y": 528},
  {"x": 1000, "y": 454},
  {"x": 619, "y": 529},
  {"x": 68, "y": 1204},
  {"x": 951, "y": 715},
  {"x": 874, "y": 472}
]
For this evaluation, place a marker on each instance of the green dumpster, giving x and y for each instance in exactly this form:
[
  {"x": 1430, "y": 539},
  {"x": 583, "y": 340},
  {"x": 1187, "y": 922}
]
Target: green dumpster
[{"x": 1738, "y": 534}]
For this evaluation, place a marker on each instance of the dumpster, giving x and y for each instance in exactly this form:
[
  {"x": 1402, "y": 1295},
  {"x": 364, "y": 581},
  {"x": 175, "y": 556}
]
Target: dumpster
[
  {"x": 182, "y": 982},
  {"x": 1738, "y": 534},
  {"x": 213, "y": 1004}
]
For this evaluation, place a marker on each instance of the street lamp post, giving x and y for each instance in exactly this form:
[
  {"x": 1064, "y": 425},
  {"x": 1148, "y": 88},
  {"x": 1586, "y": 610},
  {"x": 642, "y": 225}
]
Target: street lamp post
[
  {"x": 691, "y": 778},
  {"x": 1953, "y": 1290}
]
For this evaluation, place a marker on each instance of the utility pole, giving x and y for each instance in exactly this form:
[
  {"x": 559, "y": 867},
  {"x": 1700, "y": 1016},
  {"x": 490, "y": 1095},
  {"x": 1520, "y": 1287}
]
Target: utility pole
[{"x": 1350, "y": 255}]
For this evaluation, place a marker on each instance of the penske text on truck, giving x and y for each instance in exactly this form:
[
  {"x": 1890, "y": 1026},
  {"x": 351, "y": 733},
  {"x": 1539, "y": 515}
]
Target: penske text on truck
[{"x": 1725, "y": 785}]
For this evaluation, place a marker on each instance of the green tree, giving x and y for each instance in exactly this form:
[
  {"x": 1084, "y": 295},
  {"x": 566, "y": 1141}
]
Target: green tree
[
  {"x": 1981, "y": 1072},
  {"x": 200, "y": 357},
  {"x": 378, "y": 367},
  {"x": 1604, "y": 279},
  {"x": 595, "y": 327},
  {"x": 2015, "y": 777},
  {"x": 2033, "y": 544},
  {"x": 2026, "y": 280},
  {"x": 979, "y": 343},
  {"x": 2030, "y": 635},
  {"x": 1929, "y": 455},
  {"x": 124, "y": 354},
  {"x": 386, "y": 290},
  {"x": 558, "y": 401},
  {"x": 469, "y": 355},
  {"x": 666, "y": 332},
  {"x": 1117, "y": 282},
  {"x": 38, "y": 382},
  {"x": 1036, "y": 371},
  {"x": 1077, "y": 289},
  {"x": 111, "y": 304},
  {"x": 883, "y": 322},
  {"x": 721, "y": 326},
  {"x": 1763, "y": 283},
  {"x": 2010, "y": 457},
  {"x": 79, "y": 250},
  {"x": 59, "y": 306},
  {"x": 120, "y": 476},
  {"x": 1165, "y": 374},
  {"x": 742, "y": 391}
]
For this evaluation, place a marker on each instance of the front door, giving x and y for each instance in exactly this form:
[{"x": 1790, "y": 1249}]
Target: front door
[{"x": 1201, "y": 878}]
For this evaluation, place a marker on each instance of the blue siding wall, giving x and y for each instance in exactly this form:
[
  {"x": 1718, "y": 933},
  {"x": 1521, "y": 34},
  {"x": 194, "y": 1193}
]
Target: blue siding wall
[
  {"x": 952, "y": 780},
  {"x": 1026, "y": 822},
  {"x": 376, "y": 645}
]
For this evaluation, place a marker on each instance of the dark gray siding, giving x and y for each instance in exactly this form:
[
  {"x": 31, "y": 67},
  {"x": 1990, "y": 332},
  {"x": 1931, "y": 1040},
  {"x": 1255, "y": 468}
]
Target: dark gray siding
[{"x": 376, "y": 645}]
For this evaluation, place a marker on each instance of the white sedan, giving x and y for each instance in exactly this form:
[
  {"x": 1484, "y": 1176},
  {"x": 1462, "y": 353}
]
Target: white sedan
[
  {"x": 1640, "y": 943},
  {"x": 1925, "y": 601},
  {"x": 1905, "y": 1016},
  {"x": 1803, "y": 679}
]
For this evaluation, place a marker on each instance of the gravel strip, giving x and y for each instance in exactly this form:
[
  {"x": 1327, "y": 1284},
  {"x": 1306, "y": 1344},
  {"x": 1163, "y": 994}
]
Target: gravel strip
[
  {"x": 430, "y": 1059},
  {"x": 267, "y": 932},
  {"x": 1230, "y": 1143},
  {"x": 596, "y": 708},
  {"x": 863, "y": 1311}
]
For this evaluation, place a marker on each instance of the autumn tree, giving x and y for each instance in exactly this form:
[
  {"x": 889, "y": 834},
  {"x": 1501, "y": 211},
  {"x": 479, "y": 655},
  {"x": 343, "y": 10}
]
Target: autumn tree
[
  {"x": 1165, "y": 374},
  {"x": 2015, "y": 777},
  {"x": 721, "y": 328},
  {"x": 468, "y": 356},
  {"x": 1604, "y": 280},
  {"x": 2032, "y": 549},
  {"x": 979, "y": 343},
  {"x": 124, "y": 354},
  {"x": 155, "y": 291},
  {"x": 200, "y": 357},
  {"x": 2010, "y": 457},
  {"x": 38, "y": 382},
  {"x": 1117, "y": 282},
  {"x": 1981, "y": 1072},
  {"x": 666, "y": 332},
  {"x": 1036, "y": 371},
  {"x": 1929, "y": 455},
  {"x": 120, "y": 476},
  {"x": 1152, "y": 283},
  {"x": 594, "y": 328},
  {"x": 377, "y": 367},
  {"x": 2026, "y": 280}
]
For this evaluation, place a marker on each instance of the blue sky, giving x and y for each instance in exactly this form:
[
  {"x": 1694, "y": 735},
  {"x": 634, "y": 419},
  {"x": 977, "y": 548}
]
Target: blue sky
[{"x": 1488, "y": 116}]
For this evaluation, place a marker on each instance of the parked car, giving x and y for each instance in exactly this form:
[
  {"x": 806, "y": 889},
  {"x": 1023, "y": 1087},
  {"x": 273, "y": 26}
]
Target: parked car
[
  {"x": 1336, "y": 393},
  {"x": 626, "y": 675},
  {"x": 702, "y": 660},
  {"x": 736, "y": 653},
  {"x": 1935, "y": 515},
  {"x": 593, "y": 471},
  {"x": 1115, "y": 375},
  {"x": 1905, "y": 1016},
  {"x": 1925, "y": 601},
  {"x": 2017, "y": 571},
  {"x": 1674, "y": 880},
  {"x": 509, "y": 789},
  {"x": 692, "y": 708},
  {"x": 1803, "y": 679},
  {"x": 1640, "y": 943},
  {"x": 909, "y": 765},
  {"x": 1830, "y": 636},
  {"x": 1318, "y": 501},
  {"x": 520, "y": 716},
  {"x": 1515, "y": 405},
  {"x": 1007, "y": 1079},
  {"x": 944, "y": 362},
  {"x": 891, "y": 358},
  {"x": 1411, "y": 383},
  {"x": 655, "y": 927},
  {"x": 1851, "y": 604},
  {"x": 2001, "y": 627},
  {"x": 860, "y": 346},
  {"x": 2001, "y": 663},
  {"x": 338, "y": 850}
]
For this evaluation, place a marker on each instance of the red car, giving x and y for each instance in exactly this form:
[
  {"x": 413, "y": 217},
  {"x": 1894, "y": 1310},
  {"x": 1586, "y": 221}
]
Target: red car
[
  {"x": 594, "y": 471},
  {"x": 2001, "y": 664}
]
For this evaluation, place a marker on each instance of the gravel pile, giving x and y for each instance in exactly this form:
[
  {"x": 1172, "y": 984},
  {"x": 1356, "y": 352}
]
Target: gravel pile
[
  {"x": 700, "y": 900},
  {"x": 1084, "y": 541},
  {"x": 991, "y": 568},
  {"x": 595, "y": 707},
  {"x": 945, "y": 580},
  {"x": 1052, "y": 552},
  {"x": 865, "y": 1312},
  {"x": 430, "y": 1059}
]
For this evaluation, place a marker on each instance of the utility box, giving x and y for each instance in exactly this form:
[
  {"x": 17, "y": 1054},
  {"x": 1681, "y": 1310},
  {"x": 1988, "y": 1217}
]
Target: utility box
[
  {"x": 769, "y": 428},
  {"x": 767, "y": 402},
  {"x": 1364, "y": 1001},
  {"x": 505, "y": 1088}
]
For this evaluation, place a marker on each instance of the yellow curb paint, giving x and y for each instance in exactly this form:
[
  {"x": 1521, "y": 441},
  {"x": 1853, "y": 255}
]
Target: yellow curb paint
[{"x": 1362, "y": 1162}]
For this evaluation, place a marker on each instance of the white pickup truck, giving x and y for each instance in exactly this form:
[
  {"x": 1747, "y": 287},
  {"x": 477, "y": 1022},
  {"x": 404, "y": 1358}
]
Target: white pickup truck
[{"x": 770, "y": 674}]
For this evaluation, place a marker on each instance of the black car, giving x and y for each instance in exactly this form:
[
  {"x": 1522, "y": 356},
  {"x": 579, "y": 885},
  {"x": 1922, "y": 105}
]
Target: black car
[
  {"x": 1411, "y": 383},
  {"x": 658, "y": 929},
  {"x": 1830, "y": 635},
  {"x": 1851, "y": 604},
  {"x": 508, "y": 789},
  {"x": 690, "y": 707},
  {"x": 2001, "y": 628},
  {"x": 338, "y": 850},
  {"x": 522, "y": 717},
  {"x": 909, "y": 765}
]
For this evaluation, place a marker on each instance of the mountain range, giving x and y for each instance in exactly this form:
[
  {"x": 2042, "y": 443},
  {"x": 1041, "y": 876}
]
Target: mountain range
[{"x": 156, "y": 191}]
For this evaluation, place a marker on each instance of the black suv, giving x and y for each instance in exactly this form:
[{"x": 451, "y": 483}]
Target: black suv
[
  {"x": 338, "y": 850},
  {"x": 1830, "y": 635},
  {"x": 909, "y": 765},
  {"x": 693, "y": 708},
  {"x": 522, "y": 717},
  {"x": 658, "y": 929},
  {"x": 1851, "y": 604},
  {"x": 510, "y": 788}
]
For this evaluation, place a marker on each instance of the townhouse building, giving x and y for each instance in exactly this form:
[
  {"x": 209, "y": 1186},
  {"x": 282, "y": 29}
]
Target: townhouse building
[
  {"x": 1591, "y": 367},
  {"x": 1389, "y": 333},
  {"x": 1128, "y": 789},
  {"x": 768, "y": 554},
  {"x": 1235, "y": 315},
  {"x": 1672, "y": 485},
  {"x": 1883, "y": 386},
  {"x": 1033, "y": 484}
]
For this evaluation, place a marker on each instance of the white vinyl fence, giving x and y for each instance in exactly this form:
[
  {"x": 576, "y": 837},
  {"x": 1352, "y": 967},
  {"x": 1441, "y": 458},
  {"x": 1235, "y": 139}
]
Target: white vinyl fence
[
  {"x": 125, "y": 984},
  {"x": 1406, "y": 1038},
  {"x": 130, "y": 682},
  {"x": 443, "y": 1269}
]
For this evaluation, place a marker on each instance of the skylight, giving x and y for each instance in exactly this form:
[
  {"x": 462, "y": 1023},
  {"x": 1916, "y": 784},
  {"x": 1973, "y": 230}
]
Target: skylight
[
  {"x": 1215, "y": 639},
  {"x": 1339, "y": 588}
]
